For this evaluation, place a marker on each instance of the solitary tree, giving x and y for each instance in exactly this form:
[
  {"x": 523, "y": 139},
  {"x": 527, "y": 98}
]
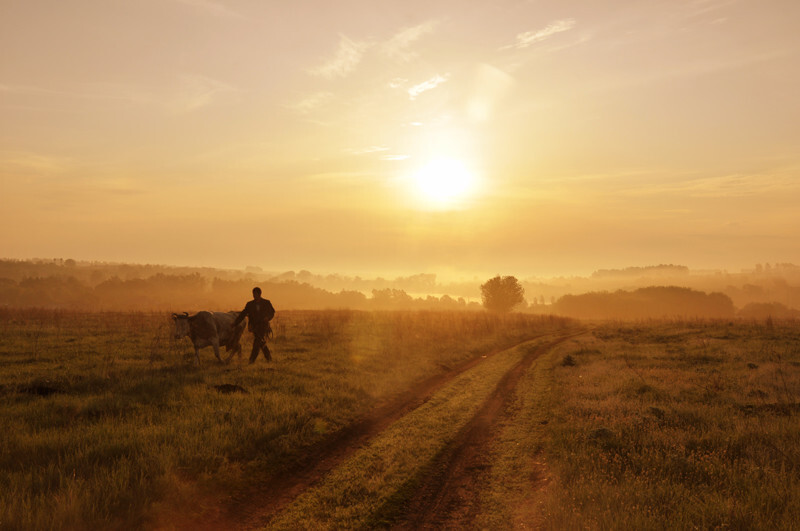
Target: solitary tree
[{"x": 502, "y": 294}]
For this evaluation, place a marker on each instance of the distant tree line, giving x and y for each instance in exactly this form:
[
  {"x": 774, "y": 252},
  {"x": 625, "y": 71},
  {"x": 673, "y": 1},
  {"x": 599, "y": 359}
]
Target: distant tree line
[
  {"x": 646, "y": 303},
  {"x": 194, "y": 292},
  {"x": 659, "y": 270},
  {"x": 768, "y": 310},
  {"x": 93, "y": 273},
  {"x": 65, "y": 283}
]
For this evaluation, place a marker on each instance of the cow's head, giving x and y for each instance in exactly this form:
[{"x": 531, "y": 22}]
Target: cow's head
[{"x": 181, "y": 325}]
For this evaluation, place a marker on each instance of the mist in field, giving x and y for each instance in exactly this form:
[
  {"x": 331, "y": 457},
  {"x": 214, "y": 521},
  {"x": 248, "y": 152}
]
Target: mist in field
[
  {"x": 766, "y": 290},
  {"x": 532, "y": 264}
]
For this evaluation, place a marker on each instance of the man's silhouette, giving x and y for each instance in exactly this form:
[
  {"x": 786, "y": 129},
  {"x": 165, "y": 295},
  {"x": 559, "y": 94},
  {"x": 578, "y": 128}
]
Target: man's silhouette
[{"x": 259, "y": 313}]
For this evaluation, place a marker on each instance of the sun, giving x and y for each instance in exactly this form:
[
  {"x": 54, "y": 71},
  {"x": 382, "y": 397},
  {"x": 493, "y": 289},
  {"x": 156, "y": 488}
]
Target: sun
[{"x": 444, "y": 183}]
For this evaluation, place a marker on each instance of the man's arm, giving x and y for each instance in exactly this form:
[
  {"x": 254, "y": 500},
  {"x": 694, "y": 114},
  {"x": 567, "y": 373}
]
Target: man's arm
[{"x": 240, "y": 317}]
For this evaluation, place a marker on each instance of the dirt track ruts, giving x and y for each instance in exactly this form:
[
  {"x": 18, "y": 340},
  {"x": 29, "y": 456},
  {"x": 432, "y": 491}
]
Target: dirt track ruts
[
  {"x": 450, "y": 496},
  {"x": 254, "y": 509}
]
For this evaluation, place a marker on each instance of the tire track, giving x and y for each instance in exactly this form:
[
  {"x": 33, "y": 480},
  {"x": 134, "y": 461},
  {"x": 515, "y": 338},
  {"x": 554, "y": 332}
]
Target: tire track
[
  {"x": 256, "y": 507},
  {"x": 449, "y": 498}
]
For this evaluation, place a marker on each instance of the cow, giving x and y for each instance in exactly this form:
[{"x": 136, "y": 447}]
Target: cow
[{"x": 210, "y": 329}]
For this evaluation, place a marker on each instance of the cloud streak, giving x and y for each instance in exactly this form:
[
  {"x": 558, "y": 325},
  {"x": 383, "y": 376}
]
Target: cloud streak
[
  {"x": 216, "y": 9},
  {"x": 529, "y": 38},
  {"x": 311, "y": 102},
  {"x": 350, "y": 52},
  {"x": 347, "y": 57},
  {"x": 200, "y": 91},
  {"x": 191, "y": 93},
  {"x": 32, "y": 163},
  {"x": 425, "y": 86},
  {"x": 398, "y": 46},
  {"x": 728, "y": 186}
]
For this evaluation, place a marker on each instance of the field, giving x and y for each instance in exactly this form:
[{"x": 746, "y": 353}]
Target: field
[{"x": 400, "y": 419}]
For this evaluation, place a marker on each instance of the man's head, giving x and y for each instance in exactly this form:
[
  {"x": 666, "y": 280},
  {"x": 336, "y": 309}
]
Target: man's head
[{"x": 256, "y": 292}]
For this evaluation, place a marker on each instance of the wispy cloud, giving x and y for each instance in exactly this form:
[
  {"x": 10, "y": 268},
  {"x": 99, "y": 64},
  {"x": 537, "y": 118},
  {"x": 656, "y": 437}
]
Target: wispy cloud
[
  {"x": 191, "y": 92},
  {"x": 702, "y": 7},
  {"x": 371, "y": 150},
  {"x": 350, "y": 52},
  {"x": 345, "y": 60},
  {"x": 200, "y": 91},
  {"x": 660, "y": 183},
  {"x": 23, "y": 162},
  {"x": 93, "y": 91},
  {"x": 367, "y": 150},
  {"x": 311, "y": 102},
  {"x": 397, "y": 82},
  {"x": 736, "y": 185},
  {"x": 398, "y": 46},
  {"x": 25, "y": 89},
  {"x": 529, "y": 38},
  {"x": 698, "y": 67},
  {"x": 217, "y": 9},
  {"x": 425, "y": 86}
]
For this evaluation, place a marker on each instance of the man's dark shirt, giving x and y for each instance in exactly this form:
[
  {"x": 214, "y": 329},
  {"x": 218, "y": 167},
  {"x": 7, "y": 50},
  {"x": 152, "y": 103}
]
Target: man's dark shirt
[{"x": 258, "y": 313}]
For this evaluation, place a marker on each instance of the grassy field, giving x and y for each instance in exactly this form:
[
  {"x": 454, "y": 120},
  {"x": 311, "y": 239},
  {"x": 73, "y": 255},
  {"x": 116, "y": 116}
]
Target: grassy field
[
  {"x": 114, "y": 427},
  {"x": 674, "y": 426},
  {"x": 652, "y": 425}
]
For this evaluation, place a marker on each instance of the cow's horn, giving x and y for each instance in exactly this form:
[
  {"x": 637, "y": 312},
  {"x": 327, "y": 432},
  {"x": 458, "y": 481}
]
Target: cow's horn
[
  {"x": 174, "y": 315},
  {"x": 186, "y": 314}
]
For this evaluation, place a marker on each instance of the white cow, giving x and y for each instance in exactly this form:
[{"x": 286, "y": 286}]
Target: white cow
[{"x": 210, "y": 329}]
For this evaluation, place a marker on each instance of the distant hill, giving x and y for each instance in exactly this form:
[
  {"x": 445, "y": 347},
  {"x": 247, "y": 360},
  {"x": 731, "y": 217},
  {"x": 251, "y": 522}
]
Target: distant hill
[
  {"x": 75, "y": 285},
  {"x": 768, "y": 310},
  {"x": 766, "y": 289},
  {"x": 646, "y": 303},
  {"x": 647, "y": 271}
]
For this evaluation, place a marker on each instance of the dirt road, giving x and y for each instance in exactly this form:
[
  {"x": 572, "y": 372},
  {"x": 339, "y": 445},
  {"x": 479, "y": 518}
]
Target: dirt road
[{"x": 448, "y": 498}]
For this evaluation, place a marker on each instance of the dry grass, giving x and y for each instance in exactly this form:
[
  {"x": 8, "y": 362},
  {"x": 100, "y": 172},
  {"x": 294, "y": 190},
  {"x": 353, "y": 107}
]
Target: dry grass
[
  {"x": 677, "y": 426},
  {"x": 115, "y": 428},
  {"x": 661, "y": 425}
]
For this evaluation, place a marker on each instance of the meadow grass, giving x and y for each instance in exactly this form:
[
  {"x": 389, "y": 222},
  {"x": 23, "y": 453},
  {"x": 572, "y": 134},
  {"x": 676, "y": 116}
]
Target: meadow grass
[
  {"x": 652, "y": 425},
  {"x": 681, "y": 425},
  {"x": 366, "y": 491},
  {"x": 109, "y": 424}
]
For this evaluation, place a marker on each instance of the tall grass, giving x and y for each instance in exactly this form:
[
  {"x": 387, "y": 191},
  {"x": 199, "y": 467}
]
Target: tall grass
[
  {"x": 677, "y": 426},
  {"x": 114, "y": 427}
]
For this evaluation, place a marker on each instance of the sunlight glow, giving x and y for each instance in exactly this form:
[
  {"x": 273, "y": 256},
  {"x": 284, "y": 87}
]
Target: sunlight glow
[{"x": 444, "y": 184}]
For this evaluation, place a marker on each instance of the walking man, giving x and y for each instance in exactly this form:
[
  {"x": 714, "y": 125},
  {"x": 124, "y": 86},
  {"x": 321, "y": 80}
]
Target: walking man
[{"x": 259, "y": 313}]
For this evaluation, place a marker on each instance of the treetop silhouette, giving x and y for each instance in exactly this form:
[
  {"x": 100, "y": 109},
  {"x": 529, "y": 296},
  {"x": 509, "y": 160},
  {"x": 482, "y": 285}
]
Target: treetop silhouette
[{"x": 502, "y": 294}]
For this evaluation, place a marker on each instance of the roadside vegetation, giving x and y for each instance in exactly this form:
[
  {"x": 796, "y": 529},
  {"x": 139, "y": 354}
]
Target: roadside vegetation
[
  {"x": 673, "y": 425},
  {"x": 115, "y": 428},
  {"x": 641, "y": 425}
]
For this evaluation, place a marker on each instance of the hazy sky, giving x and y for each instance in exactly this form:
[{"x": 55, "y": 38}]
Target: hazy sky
[{"x": 534, "y": 137}]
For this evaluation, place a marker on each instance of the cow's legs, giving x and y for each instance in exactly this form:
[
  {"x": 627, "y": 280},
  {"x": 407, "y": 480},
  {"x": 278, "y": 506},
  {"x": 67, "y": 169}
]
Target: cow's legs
[
  {"x": 234, "y": 349},
  {"x": 215, "y": 344},
  {"x": 197, "y": 356}
]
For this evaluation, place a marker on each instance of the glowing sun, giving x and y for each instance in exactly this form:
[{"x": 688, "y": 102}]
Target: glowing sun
[{"x": 444, "y": 183}]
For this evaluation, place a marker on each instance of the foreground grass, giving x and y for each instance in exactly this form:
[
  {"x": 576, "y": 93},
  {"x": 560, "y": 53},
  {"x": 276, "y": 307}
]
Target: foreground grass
[
  {"x": 115, "y": 428},
  {"x": 673, "y": 426},
  {"x": 648, "y": 426},
  {"x": 369, "y": 487},
  {"x": 652, "y": 426}
]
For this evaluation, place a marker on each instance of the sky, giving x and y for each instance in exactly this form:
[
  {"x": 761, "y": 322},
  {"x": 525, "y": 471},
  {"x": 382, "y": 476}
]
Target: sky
[{"x": 531, "y": 138}]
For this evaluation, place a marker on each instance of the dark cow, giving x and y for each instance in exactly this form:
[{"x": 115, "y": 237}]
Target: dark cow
[{"x": 210, "y": 329}]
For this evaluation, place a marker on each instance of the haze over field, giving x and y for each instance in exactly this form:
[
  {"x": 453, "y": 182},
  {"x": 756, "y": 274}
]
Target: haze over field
[{"x": 458, "y": 138}]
